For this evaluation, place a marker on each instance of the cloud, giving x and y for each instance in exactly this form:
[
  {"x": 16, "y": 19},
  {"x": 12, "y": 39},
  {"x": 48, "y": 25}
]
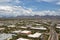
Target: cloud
[
  {"x": 18, "y": 10},
  {"x": 58, "y": 3},
  {"x": 7, "y": 8},
  {"x": 47, "y": 0},
  {"x": 14, "y": 10},
  {"x": 5, "y": 0},
  {"x": 17, "y": 1},
  {"x": 10, "y": 2},
  {"x": 45, "y": 12}
]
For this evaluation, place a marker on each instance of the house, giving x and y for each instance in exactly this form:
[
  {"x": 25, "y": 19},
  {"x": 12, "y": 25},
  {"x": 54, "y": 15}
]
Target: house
[
  {"x": 23, "y": 27},
  {"x": 38, "y": 24},
  {"x": 35, "y": 35},
  {"x": 26, "y": 32},
  {"x": 39, "y": 28},
  {"x": 2, "y": 28},
  {"x": 58, "y": 27},
  {"x": 11, "y": 26},
  {"x": 22, "y": 39},
  {"x": 17, "y": 31}
]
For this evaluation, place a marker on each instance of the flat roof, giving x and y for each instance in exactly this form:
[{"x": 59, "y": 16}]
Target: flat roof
[
  {"x": 42, "y": 28},
  {"x": 58, "y": 27},
  {"x": 36, "y": 35},
  {"x": 23, "y": 27},
  {"x": 2, "y": 28},
  {"x": 17, "y": 31},
  {"x": 25, "y": 31},
  {"x": 22, "y": 39}
]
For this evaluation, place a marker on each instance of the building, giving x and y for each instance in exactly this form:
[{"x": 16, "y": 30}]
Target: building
[
  {"x": 22, "y": 39},
  {"x": 11, "y": 26},
  {"x": 39, "y": 28},
  {"x": 2, "y": 28},
  {"x": 17, "y": 31},
  {"x": 23, "y": 27},
  {"x": 58, "y": 27},
  {"x": 35, "y": 35},
  {"x": 25, "y": 32}
]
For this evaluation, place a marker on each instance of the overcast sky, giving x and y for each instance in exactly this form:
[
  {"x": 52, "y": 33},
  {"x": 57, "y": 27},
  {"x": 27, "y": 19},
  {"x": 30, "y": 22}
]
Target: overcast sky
[{"x": 29, "y": 7}]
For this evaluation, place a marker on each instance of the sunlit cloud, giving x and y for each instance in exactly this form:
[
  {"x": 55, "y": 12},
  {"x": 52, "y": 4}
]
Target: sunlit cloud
[
  {"x": 18, "y": 10},
  {"x": 58, "y": 3},
  {"x": 13, "y": 7}
]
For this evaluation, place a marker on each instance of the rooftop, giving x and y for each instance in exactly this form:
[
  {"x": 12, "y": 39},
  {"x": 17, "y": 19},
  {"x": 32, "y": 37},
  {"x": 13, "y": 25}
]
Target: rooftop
[
  {"x": 11, "y": 26},
  {"x": 26, "y": 32},
  {"x": 22, "y": 39},
  {"x": 36, "y": 35},
  {"x": 17, "y": 31},
  {"x": 42, "y": 28}
]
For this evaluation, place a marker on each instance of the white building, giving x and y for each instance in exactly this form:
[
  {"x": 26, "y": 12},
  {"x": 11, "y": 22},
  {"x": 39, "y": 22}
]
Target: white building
[
  {"x": 23, "y": 27},
  {"x": 22, "y": 39},
  {"x": 39, "y": 28},
  {"x": 26, "y": 32},
  {"x": 17, "y": 31},
  {"x": 58, "y": 27},
  {"x": 2, "y": 28},
  {"x": 38, "y": 24},
  {"x": 36, "y": 35},
  {"x": 11, "y": 26}
]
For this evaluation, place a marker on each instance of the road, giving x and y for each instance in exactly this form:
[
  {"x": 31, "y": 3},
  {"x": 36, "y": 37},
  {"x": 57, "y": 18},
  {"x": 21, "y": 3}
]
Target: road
[{"x": 53, "y": 34}]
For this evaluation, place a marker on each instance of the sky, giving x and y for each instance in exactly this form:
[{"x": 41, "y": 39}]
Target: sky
[{"x": 29, "y": 7}]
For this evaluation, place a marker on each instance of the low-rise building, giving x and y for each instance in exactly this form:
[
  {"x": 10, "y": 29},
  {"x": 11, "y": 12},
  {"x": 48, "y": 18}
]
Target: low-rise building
[
  {"x": 22, "y": 39},
  {"x": 17, "y": 31},
  {"x": 58, "y": 27},
  {"x": 35, "y": 35},
  {"x": 39, "y": 28},
  {"x": 23, "y": 27},
  {"x": 11, "y": 26},
  {"x": 26, "y": 32},
  {"x": 2, "y": 29}
]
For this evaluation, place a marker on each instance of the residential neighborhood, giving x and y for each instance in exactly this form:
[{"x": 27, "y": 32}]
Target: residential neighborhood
[{"x": 29, "y": 30}]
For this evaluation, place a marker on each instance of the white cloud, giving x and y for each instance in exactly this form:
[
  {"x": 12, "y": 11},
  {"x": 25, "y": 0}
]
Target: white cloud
[
  {"x": 17, "y": 1},
  {"x": 47, "y": 12},
  {"x": 14, "y": 10},
  {"x": 5, "y": 0},
  {"x": 47, "y": 0},
  {"x": 58, "y": 3},
  {"x": 7, "y": 8},
  {"x": 18, "y": 10},
  {"x": 10, "y": 2}
]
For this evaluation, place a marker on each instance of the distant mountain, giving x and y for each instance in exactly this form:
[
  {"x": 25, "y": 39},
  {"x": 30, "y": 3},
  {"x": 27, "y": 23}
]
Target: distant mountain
[{"x": 35, "y": 16}]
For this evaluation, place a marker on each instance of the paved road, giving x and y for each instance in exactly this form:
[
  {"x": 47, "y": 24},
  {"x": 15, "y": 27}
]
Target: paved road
[{"x": 53, "y": 34}]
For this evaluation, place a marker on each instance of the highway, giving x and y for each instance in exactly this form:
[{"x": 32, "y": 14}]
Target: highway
[{"x": 53, "y": 34}]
